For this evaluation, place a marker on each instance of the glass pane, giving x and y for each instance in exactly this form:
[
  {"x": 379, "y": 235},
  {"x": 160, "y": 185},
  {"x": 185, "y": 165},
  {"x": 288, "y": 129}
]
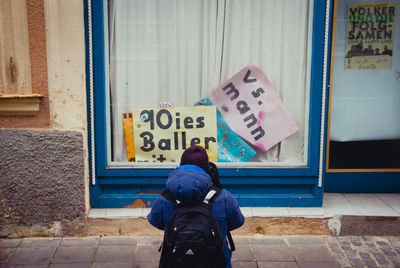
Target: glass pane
[
  {"x": 180, "y": 53},
  {"x": 365, "y": 103}
]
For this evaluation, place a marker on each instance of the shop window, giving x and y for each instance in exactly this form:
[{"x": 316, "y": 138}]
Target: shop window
[
  {"x": 15, "y": 74},
  {"x": 177, "y": 53},
  {"x": 365, "y": 93}
]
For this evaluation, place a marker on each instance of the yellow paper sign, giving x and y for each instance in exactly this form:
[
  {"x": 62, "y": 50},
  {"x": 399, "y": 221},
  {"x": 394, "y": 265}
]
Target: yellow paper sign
[{"x": 162, "y": 134}]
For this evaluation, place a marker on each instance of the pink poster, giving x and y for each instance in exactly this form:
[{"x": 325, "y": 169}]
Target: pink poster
[{"x": 253, "y": 109}]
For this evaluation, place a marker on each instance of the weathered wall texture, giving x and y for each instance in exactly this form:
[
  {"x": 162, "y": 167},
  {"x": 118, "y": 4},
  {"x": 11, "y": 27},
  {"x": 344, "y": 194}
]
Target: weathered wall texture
[
  {"x": 44, "y": 173},
  {"x": 66, "y": 69},
  {"x": 42, "y": 181},
  {"x": 38, "y": 57},
  {"x": 66, "y": 63}
]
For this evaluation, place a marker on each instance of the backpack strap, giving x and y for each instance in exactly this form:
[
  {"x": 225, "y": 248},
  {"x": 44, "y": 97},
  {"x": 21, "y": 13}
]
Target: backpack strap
[
  {"x": 209, "y": 198},
  {"x": 231, "y": 243},
  {"x": 210, "y": 195}
]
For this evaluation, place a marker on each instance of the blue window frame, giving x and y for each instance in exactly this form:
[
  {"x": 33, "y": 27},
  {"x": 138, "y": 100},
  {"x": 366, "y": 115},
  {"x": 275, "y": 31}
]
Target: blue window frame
[
  {"x": 368, "y": 164},
  {"x": 119, "y": 187}
]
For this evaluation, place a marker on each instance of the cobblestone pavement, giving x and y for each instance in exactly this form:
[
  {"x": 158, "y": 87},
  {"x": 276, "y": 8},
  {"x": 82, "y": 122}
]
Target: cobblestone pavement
[
  {"x": 255, "y": 251},
  {"x": 365, "y": 251}
]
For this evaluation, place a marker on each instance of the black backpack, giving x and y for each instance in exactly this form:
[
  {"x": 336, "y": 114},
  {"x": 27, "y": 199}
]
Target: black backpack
[{"x": 193, "y": 237}]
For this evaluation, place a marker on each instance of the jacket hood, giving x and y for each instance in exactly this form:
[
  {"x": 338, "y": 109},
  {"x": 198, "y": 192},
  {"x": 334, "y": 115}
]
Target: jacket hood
[{"x": 188, "y": 183}]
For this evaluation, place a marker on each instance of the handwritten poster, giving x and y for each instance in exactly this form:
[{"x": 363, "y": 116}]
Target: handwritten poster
[
  {"x": 370, "y": 35},
  {"x": 162, "y": 134},
  {"x": 253, "y": 109}
]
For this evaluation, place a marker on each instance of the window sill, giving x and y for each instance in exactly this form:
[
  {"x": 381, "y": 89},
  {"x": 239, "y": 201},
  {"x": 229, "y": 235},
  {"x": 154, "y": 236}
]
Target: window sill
[{"x": 14, "y": 104}]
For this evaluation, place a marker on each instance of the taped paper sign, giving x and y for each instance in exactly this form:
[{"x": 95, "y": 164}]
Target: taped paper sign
[
  {"x": 162, "y": 134},
  {"x": 252, "y": 108}
]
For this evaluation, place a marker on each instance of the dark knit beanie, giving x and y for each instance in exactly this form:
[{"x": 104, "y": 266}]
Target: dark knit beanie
[{"x": 195, "y": 155}]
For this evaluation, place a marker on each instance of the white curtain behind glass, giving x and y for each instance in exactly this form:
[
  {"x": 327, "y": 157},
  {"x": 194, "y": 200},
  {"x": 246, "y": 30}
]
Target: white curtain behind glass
[
  {"x": 274, "y": 34},
  {"x": 164, "y": 50},
  {"x": 160, "y": 50}
]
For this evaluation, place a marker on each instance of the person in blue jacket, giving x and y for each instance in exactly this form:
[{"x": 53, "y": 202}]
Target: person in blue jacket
[{"x": 188, "y": 183}]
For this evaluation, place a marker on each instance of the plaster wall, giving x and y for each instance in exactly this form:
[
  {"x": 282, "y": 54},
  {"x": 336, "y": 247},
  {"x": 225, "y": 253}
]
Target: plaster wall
[
  {"x": 44, "y": 159},
  {"x": 65, "y": 35},
  {"x": 66, "y": 63},
  {"x": 38, "y": 61},
  {"x": 41, "y": 181}
]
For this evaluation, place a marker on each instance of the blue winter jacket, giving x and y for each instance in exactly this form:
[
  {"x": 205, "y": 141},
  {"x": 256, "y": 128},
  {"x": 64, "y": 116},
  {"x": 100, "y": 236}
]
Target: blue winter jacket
[{"x": 188, "y": 184}]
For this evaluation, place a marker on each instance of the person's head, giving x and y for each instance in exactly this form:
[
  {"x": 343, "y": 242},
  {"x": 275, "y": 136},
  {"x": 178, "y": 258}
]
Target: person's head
[{"x": 197, "y": 155}]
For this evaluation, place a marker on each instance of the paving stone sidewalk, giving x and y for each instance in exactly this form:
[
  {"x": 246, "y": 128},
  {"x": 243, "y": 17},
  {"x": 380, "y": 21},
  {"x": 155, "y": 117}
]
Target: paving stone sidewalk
[{"x": 255, "y": 251}]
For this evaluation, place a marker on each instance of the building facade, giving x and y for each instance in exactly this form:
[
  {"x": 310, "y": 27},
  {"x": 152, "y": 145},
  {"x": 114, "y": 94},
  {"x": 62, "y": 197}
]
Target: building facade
[{"x": 99, "y": 98}]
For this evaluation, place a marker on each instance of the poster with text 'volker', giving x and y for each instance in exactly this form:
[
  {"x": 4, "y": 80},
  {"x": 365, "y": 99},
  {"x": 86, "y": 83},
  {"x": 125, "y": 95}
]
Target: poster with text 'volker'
[{"x": 370, "y": 35}]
